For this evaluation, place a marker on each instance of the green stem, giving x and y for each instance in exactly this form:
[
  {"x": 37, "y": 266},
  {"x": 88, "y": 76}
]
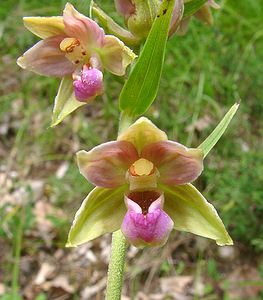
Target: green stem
[
  {"x": 125, "y": 121},
  {"x": 116, "y": 266},
  {"x": 119, "y": 244}
]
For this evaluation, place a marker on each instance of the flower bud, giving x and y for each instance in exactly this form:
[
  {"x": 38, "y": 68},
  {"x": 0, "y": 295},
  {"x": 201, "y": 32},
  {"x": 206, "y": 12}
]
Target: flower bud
[
  {"x": 125, "y": 8},
  {"x": 88, "y": 85},
  {"x": 138, "y": 14}
]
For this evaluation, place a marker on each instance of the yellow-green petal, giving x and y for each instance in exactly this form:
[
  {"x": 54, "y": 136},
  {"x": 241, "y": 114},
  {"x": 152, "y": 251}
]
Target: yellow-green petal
[
  {"x": 65, "y": 101},
  {"x": 101, "y": 212},
  {"x": 142, "y": 133},
  {"x": 45, "y": 27},
  {"x": 191, "y": 212}
]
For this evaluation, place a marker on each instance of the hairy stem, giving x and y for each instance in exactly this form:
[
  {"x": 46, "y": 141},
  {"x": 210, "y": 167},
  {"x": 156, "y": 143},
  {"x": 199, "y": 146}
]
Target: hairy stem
[
  {"x": 116, "y": 266},
  {"x": 119, "y": 244}
]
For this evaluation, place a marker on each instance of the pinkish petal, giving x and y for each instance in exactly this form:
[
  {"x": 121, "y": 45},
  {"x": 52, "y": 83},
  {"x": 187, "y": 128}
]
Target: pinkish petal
[
  {"x": 46, "y": 58},
  {"x": 204, "y": 14},
  {"x": 81, "y": 27},
  {"x": 88, "y": 85},
  {"x": 183, "y": 26},
  {"x": 125, "y": 7},
  {"x": 106, "y": 165},
  {"x": 176, "y": 163},
  {"x": 150, "y": 228},
  {"x": 177, "y": 16},
  {"x": 115, "y": 56}
]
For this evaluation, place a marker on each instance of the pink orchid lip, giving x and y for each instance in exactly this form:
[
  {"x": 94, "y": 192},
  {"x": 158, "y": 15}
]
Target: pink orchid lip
[
  {"x": 88, "y": 85},
  {"x": 145, "y": 223}
]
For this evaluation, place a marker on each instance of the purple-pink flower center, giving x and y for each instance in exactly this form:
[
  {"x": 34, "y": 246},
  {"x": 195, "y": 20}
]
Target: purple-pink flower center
[
  {"x": 88, "y": 84},
  {"x": 145, "y": 222}
]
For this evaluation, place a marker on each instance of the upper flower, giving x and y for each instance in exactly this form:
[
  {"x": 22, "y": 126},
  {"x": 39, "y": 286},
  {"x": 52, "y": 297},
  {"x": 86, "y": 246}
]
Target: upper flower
[
  {"x": 139, "y": 15},
  {"x": 74, "y": 46},
  {"x": 150, "y": 175}
]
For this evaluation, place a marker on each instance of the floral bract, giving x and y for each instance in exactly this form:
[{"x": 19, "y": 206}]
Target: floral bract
[
  {"x": 143, "y": 187},
  {"x": 76, "y": 49}
]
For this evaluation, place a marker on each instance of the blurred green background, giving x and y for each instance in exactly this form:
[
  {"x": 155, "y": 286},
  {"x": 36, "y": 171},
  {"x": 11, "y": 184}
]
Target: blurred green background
[{"x": 205, "y": 72}]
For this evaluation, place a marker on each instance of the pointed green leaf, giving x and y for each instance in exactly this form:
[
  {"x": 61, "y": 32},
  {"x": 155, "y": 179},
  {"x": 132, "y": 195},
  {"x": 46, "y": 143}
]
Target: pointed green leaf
[
  {"x": 213, "y": 138},
  {"x": 140, "y": 89},
  {"x": 191, "y": 212},
  {"x": 192, "y": 7},
  {"x": 65, "y": 101},
  {"x": 101, "y": 212}
]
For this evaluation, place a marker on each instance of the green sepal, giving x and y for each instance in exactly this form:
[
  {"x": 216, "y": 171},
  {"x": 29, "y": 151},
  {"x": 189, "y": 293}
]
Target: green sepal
[
  {"x": 192, "y": 7},
  {"x": 191, "y": 212},
  {"x": 140, "y": 89},
  {"x": 101, "y": 212},
  {"x": 65, "y": 101},
  {"x": 213, "y": 138}
]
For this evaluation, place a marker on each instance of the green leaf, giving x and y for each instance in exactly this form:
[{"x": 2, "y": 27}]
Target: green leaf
[
  {"x": 192, "y": 7},
  {"x": 65, "y": 101},
  {"x": 140, "y": 89},
  {"x": 191, "y": 212},
  {"x": 213, "y": 138},
  {"x": 101, "y": 212}
]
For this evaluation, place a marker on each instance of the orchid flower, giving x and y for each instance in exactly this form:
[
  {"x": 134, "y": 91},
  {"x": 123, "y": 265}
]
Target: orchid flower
[
  {"x": 77, "y": 50},
  {"x": 143, "y": 187}
]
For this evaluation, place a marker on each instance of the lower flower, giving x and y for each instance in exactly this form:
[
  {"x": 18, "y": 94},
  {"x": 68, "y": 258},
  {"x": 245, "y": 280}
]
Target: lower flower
[{"x": 143, "y": 187}]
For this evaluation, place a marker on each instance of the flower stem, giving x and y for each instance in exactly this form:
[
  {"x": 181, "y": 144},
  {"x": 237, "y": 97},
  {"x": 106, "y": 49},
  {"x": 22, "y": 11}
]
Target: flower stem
[
  {"x": 116, "y": 266},
  {"x": 119, "y": 244},
  {"x": 125, "y": 121}
]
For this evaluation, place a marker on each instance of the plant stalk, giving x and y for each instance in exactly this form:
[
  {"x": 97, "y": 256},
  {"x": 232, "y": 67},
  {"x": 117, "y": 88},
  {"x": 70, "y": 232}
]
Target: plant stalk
[
  {"x": 116, "y": 266},
  {"x": 125, "y": 121}
]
